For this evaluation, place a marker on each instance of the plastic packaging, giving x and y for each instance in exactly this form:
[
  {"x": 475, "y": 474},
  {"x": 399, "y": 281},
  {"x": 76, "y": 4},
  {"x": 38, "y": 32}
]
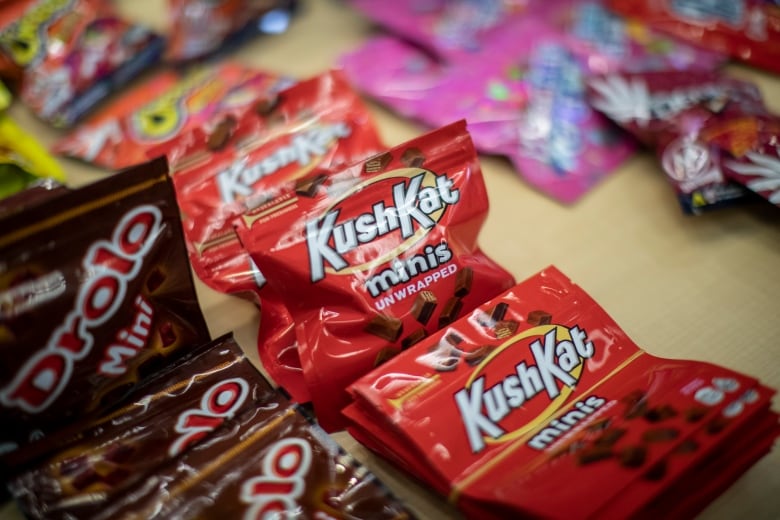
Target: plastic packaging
[{"x": 384, "y": 254}]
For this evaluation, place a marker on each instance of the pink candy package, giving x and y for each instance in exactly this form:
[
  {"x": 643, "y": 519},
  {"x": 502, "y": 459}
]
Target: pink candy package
[
  {"x": 449, "y": 29},
  {"x": 520, "y": 85},
  {"x": 606, "y": 42},
  {"x": 527, "y": 105}
]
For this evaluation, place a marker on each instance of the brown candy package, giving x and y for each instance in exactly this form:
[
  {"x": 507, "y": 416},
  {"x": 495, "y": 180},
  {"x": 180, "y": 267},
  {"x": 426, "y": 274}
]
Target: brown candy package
[
  {"x": 261, "y": 466},
  {"x": 178, "y": 409},
  {"x": 96, "y": 294},
  {"x": 33, "y": 194}
]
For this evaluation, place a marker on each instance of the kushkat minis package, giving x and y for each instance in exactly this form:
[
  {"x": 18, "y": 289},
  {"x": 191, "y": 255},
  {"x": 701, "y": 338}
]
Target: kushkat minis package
[
  {"x": 376, "y": 258},
  {"x": 537, "y": 404},
  {"x": 273, "y": 145}
]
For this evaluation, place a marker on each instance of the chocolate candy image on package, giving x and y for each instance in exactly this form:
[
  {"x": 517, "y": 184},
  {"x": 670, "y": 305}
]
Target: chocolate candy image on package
[
  {"x": 96, "y": 296},
  {"x": 351, "y": 262},
  {"x": 291, "y": 141},
  {"x": 166, "y": 416},
  {"x": 558, "y": 405}
]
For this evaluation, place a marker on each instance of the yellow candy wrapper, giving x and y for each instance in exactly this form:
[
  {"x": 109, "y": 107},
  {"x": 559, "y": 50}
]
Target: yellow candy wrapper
[
  {"x": 22, "y": 159},
  {"x": 5, "y": 96}
]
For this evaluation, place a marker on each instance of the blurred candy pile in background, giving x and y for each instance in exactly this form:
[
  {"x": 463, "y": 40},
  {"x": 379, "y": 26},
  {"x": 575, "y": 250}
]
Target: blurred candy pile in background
[{"x": 566, "y": 90}]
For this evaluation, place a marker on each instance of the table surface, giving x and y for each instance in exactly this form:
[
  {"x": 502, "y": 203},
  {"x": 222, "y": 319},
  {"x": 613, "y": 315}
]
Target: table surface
[{"x": 703, "y": 288}]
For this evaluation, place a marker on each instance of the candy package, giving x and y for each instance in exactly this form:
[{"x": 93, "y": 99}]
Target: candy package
[
  {"x": 397, "y": 74},
  {"x": 524, "y": 97},
  {"x": 313, "y": 128},
  {"x": 448, "y": 29},
  {"x": 454, "y": 31},
  {"x": 31, "y": 195},
  {"x": 516, "y": 409},
  {"x": 71, "y": 54},
  {"x": 262, "y": 466},
  {"x": 91, "y": 464},
  {"x": 713, "y": 134},
  {"x": 207, "y": 425},
  {"x": 526, "y": 102},
  {"x": 161, "y": 110},
  {"x": 381, "y": 255},
  {"x": 562, "y": 146},
  {"x": 23, "y": 160},
  {"x": 758, "y": 167},
  {"x": 202, "y": 27},
  {"x": 606, "y": 42},
  {"x": 96, "y": 296},
  {"x": 748, "y": 30}
]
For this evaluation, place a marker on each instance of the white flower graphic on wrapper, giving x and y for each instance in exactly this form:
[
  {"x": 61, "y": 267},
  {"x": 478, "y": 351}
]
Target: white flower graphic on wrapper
[
  {"x": 765, "y": 168},
  {"x": 622, "y": 100},
  {"x": 690, "y": 164}
]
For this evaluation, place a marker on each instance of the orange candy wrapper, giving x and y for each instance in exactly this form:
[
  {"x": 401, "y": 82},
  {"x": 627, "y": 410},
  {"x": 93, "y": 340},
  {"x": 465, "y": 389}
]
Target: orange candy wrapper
[{"x": 162, "y": 110}]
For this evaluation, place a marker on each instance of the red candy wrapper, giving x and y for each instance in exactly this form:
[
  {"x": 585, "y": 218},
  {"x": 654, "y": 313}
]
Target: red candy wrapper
[
  {"x": 540, "y": 387},
  {"x": 162, "y": 110},
  {"x": 202, "y": 27},
  {"x": 309, "y": 130},
  {"x": 71, "y": 54},
  {"x": 96, "y": 296},
  {"x": 748, "y": 30},
  {"x": 382, "y": 255},
  {"x": 713, "y": 134}
]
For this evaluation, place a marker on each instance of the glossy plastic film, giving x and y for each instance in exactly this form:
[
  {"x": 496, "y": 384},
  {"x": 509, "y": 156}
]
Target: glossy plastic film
[{"x": 88, "y": 318}]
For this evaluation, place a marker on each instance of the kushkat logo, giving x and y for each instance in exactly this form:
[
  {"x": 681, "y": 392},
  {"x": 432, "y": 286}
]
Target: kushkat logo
[
  {"x": 548, "y": 362},
  {"x": 397, "y": 208}
]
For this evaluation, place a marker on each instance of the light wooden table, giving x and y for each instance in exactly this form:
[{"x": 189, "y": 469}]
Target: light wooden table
[{"x": 705, "y": 288}]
